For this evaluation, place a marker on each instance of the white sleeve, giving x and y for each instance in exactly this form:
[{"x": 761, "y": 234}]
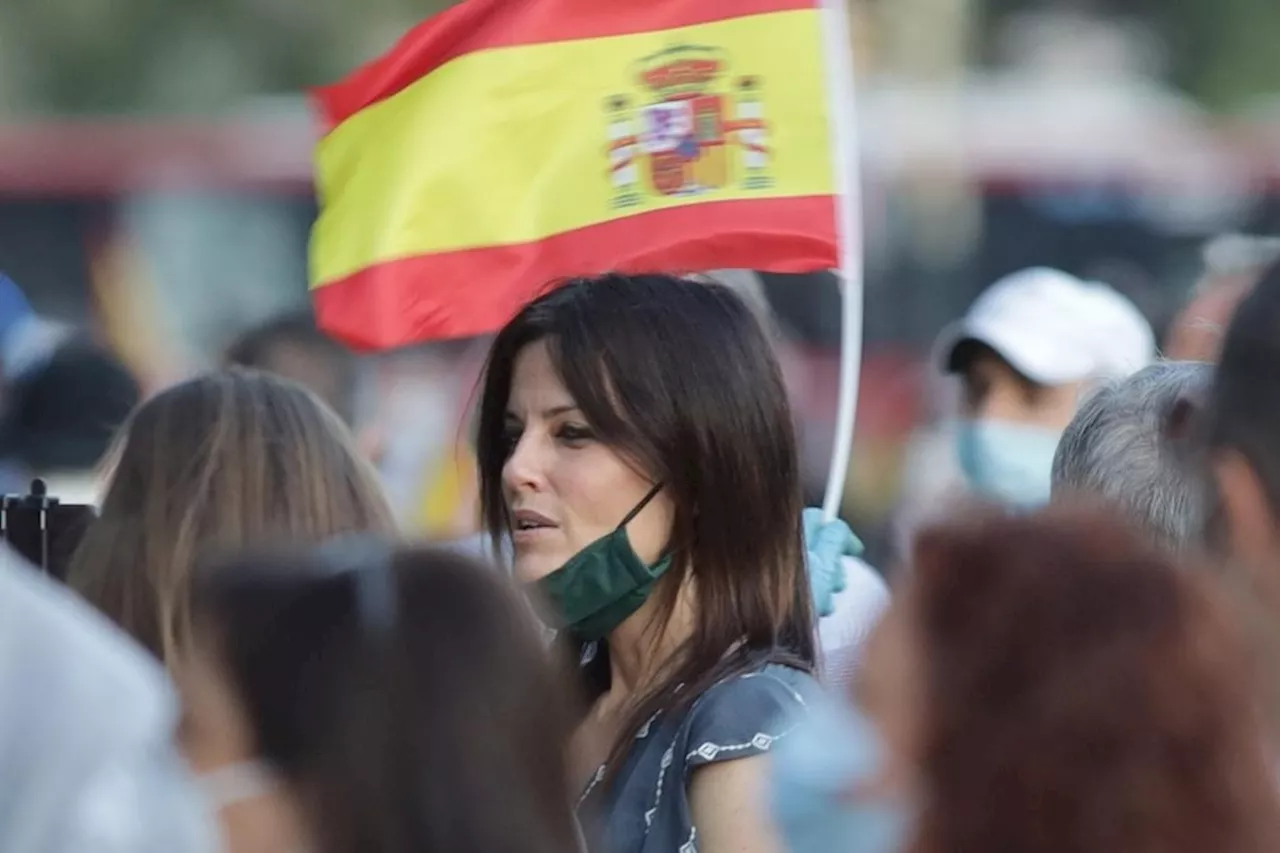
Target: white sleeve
[
  {"x": 144, "y": 802},
  {"x": 844, "y": 633},
  {"x": 86, "y": 725}
]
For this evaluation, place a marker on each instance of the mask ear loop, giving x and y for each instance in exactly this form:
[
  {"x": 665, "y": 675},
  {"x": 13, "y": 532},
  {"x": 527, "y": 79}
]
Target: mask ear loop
[
  {"x": 591, "y": 650},
  {"x": 644, "y": 502}
]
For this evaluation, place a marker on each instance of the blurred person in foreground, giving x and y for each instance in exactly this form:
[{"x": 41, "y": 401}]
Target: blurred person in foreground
[
  {"x": 636, "y": 445},
  {"x": 86, "y": 757},
  {"x": 357, "y": 699},
  {"x": 218, "y": 463},
  {"x": 1233, "y": 264},
  {"x": 59, "y": 417},
  {"x": 1049, "y": 683},
  {"x": 1242, "y": 428},
  {"x": 1128, "y": 448},
  {"x": 1026, "y": 352}
]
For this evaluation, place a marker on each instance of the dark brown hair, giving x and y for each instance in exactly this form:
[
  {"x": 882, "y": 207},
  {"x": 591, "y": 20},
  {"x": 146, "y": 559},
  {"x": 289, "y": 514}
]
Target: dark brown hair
[
  {"x": 1081, "y": 694},
  {"x": 405, "y": 696},
  {"x": 679, "y": 377},
  {"x": 1243, "y": 413},
  {"x": 220, "y": 462}
]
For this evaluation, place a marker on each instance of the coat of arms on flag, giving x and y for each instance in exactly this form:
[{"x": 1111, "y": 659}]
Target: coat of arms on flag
[{"x": 693, "y": 127}]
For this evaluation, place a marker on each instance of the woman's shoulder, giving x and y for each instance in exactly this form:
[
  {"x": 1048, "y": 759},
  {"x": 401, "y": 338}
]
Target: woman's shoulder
[{"x": 745, "y": 714}]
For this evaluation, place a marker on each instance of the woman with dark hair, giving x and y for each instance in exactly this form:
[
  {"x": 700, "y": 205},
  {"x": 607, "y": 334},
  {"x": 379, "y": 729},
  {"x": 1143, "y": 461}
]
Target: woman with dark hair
[
  {"x": 1054, "y": 684},
  {"x": 360, "y": 700},
  {"x": 636, "y": 445}
]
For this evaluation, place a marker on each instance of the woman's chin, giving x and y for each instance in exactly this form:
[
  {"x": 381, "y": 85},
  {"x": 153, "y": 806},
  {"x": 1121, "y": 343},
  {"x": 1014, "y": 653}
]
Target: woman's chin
[{"x": 531, "y": 568}]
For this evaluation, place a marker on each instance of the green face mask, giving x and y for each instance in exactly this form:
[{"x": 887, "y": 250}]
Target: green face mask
[{"x": 604, "y": 583}]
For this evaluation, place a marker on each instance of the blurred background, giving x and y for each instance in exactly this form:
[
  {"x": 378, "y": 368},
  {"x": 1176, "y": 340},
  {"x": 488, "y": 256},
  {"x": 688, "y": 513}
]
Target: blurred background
[{"x": 155, "y": 189}]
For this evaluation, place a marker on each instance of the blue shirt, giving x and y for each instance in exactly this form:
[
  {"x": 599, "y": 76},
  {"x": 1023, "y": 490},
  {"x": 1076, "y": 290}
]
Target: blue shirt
[{"x": 647, "y": 808}]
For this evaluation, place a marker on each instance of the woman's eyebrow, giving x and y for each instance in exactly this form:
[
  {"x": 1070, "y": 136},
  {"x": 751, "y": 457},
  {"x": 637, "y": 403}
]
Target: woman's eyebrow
[{"x": 548, "y": 413}]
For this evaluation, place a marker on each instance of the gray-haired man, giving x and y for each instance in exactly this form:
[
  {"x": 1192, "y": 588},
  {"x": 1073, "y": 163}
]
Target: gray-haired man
[{"x": 1125, "y": 448}]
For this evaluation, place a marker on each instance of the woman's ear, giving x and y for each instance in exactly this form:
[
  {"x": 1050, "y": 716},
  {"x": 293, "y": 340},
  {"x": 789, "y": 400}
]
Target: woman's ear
[{"x": 1183, "y": 418}]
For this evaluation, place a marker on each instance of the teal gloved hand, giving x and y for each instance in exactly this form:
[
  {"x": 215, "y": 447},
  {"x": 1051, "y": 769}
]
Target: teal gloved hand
[{"x": 826, "y": 544}]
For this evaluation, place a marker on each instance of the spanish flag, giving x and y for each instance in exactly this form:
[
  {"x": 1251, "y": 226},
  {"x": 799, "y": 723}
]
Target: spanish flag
[{"x": 505, "y": 144}]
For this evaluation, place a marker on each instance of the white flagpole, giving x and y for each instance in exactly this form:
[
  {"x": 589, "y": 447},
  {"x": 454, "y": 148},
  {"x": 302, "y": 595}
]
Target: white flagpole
[{"x": 847, "y": 166}]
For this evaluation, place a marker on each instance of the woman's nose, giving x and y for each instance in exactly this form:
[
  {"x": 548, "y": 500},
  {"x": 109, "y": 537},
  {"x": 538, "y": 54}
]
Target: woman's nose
[{"x": 524, "y": 468}]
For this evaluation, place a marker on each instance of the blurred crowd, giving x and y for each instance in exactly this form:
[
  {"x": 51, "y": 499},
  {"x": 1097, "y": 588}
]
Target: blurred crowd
[
  {"x": 633, "y": 637},
  {"x": 564, "y": 589}
]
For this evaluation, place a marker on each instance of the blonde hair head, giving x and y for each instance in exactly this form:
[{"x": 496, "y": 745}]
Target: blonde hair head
[{"x": 222, "y": 462}]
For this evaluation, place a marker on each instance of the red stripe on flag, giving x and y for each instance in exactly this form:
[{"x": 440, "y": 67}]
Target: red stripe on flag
[
  {"x": 476, "y": 291},
  {"x": 485, "y": 24}
]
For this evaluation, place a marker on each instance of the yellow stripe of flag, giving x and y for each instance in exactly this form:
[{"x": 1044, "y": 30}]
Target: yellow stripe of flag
[{"x": 532, "y": 126}]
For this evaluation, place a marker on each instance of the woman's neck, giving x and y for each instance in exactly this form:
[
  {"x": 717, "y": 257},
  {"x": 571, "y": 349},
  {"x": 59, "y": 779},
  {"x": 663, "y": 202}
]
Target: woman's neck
[{"x": 642, "y": 647}]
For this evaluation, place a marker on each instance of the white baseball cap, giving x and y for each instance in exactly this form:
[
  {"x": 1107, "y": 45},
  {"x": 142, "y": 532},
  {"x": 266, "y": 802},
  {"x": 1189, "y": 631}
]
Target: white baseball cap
[{"x": 1053, "y": 328}]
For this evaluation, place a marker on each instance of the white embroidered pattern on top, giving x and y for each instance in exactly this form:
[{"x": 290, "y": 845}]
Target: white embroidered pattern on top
[
  {"x": 762, "y": 741},
  {"x": 691, "y": 846},
  {"x": 591, "y": 786},
  {"x": 787, "y": 687},
  {"x": 667, "y": 758},
  {"x": 643, "y": 731}
]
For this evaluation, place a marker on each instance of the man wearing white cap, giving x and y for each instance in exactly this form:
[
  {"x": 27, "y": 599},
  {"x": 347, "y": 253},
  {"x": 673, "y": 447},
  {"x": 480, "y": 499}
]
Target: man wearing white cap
[{"x": 1026, "y": 351}]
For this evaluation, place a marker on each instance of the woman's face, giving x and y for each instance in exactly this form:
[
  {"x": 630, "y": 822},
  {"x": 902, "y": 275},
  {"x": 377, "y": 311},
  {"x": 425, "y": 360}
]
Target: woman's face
[
  {"x": 563, "y": 488},
  {"x": 215, "y": 735}
]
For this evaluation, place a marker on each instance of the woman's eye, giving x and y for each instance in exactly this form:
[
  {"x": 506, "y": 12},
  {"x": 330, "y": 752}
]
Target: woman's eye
[
  {"x": 510, "y": 438},
  {"x": 572, "y": 434}
]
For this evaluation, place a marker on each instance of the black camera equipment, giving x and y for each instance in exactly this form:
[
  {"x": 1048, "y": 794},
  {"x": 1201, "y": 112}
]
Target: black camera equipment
[{"x": 42, "y": 529}]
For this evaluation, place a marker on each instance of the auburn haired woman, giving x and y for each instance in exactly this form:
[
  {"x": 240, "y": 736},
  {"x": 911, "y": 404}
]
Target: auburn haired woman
[{"x": 1054, "y": 684}]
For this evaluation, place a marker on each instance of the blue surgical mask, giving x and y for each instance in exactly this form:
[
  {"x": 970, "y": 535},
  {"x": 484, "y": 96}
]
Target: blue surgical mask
[
  {"x": 816, "y": 771},
  {"x": 1008, "y": 462}
]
